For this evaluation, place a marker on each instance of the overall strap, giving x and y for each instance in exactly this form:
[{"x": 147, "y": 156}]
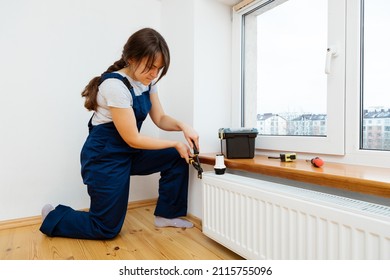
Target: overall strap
[
  {"x": 111, "y": 75},
  {"x": 116, "y": 76}
]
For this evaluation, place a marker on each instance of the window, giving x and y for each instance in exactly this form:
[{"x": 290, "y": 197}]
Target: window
[
  {"x": 375, "y": 75},
  {"x": 289, "y": 48},
  {"x": 293, "y": 74},
  {"x": 355, "y": 127}
]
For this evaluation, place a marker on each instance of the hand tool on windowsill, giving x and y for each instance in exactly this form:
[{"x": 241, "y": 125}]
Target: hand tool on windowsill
[
  {"x": 195, "y": 161},
  {"x": 286, "y": 157}
]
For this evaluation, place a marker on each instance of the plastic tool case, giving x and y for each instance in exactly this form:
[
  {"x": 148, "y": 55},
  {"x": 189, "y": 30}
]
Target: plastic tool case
[{"x": 239, "y": 142}]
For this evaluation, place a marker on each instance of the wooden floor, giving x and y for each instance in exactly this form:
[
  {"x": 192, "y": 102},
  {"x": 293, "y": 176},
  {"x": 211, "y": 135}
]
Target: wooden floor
[{"x": 138, "y": 240}]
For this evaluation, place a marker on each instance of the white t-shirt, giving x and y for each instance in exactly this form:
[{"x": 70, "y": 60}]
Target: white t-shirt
[{"x": 114, "y": 93}]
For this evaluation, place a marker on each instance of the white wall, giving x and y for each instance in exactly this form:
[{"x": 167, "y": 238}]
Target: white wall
[
  {"x": 199, "y": 35},
  {"x": 49, "y": 52},
  {"x": 212, "y": 86}
]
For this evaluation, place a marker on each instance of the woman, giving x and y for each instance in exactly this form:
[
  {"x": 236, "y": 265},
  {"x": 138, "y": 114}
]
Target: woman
[{"x": 121, "y": 99}]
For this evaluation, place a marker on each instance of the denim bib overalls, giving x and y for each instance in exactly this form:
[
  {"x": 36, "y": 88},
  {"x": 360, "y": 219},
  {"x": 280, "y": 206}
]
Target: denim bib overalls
[{"x": 107, "y": 163}]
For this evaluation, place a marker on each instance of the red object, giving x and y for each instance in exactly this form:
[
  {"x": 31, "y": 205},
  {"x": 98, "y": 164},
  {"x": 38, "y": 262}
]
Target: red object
[{"x": 317, "y": 162}]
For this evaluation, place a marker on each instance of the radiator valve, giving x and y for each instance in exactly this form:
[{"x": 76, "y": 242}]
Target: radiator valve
[{"x": 219, "y": 166}]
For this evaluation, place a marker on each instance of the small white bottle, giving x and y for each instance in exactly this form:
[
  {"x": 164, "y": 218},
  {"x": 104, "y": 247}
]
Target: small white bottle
[{"x": 219, "y": 166}]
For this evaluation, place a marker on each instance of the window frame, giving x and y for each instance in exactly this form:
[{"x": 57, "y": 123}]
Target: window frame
[
  {"x": 333, "y": 143},
  {"x": 353, "y": 154}
]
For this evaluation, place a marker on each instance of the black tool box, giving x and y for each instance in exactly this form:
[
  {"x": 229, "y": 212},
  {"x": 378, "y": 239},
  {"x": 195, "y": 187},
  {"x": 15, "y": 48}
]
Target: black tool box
[{"x": 239, "y": 142}]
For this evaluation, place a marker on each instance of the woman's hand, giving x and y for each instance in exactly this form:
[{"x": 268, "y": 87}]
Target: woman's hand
[
  {"x": 191, "y": 136},
  {"x": 183, "y": 150}
]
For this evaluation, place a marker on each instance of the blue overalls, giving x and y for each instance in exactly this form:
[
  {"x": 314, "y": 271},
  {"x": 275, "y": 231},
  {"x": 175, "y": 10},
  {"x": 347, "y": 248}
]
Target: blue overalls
[{"x": 107, "y": 163}]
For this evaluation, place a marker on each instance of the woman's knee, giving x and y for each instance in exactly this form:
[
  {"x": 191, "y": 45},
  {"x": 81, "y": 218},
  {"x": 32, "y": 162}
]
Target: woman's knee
[{"x": 107, "y": 231}]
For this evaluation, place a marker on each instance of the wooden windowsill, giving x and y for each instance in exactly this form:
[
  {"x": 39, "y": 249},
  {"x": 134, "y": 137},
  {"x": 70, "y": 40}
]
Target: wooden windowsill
[{"x": 355, "y": 178}]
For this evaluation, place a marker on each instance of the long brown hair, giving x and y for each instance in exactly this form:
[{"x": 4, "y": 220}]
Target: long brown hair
[{"x": 145, "y": 43}]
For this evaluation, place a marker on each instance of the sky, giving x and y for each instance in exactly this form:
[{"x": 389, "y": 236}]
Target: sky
[
  {"x": 377, "y": 53},
  {"x": 292, "y": 61}
]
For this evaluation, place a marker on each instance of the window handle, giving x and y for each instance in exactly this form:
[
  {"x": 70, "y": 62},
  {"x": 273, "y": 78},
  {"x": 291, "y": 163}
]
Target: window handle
[{"x": 330, "y": 53}]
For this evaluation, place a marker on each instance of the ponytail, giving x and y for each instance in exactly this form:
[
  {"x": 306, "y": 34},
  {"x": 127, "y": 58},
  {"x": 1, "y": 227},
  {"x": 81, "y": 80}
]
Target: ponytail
[{"x": 91, "y": 90}]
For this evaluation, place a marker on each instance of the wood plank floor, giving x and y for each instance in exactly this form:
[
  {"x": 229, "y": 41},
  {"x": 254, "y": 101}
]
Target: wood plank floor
[{"x": 138, "y": 240}]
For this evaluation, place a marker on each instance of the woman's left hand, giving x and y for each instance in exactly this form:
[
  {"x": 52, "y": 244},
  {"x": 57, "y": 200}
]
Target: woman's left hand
[{"x": 191, "y": 136}]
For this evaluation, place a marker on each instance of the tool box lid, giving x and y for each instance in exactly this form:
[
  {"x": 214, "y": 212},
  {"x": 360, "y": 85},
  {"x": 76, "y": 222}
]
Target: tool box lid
[{"x": 241, "y": 131}]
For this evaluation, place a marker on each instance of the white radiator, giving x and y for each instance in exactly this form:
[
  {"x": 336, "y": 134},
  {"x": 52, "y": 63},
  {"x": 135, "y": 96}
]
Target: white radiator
[{"x": 264, "y": 220}]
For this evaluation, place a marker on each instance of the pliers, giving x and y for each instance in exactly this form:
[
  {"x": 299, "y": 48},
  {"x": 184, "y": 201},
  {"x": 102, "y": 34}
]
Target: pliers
[{"x": 195, "y": 161}]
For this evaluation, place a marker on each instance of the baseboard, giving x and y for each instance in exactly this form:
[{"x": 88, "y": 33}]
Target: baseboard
[
  {"x": 141, "y": 203},
  {"x": 196, "y": 221},
  {"x": 22, "y": 222}
]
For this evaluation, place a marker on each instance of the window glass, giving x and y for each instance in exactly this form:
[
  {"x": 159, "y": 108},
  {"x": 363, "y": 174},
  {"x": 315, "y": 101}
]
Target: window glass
[
  {"x": 291, "y": 83},
  {"x": 293, "y": 68},
  {"x": 376, "y": 76}
]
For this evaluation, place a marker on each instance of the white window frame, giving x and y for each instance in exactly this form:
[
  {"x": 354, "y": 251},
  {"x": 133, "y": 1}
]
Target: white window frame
[
  {"x": 334, "y": 142},
  {"x": 353, "y": 153}
]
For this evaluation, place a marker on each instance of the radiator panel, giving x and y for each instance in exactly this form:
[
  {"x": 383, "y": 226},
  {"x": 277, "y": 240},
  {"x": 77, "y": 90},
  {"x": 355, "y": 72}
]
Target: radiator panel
[{"x": 264, "y": 220}]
